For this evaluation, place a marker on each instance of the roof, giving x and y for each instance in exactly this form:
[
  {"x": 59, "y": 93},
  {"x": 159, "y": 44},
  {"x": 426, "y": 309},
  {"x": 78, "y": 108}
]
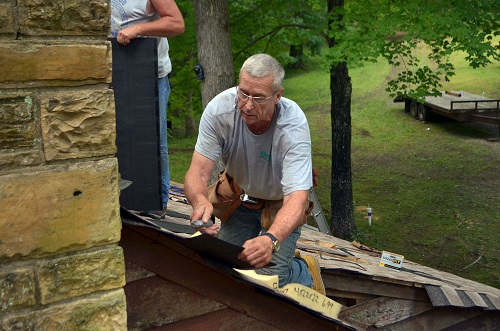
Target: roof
[{"x": 371, "y": 295}]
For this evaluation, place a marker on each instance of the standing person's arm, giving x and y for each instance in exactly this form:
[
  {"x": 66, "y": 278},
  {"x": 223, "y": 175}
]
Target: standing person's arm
[
  {"x": 195, "y": 189},
  {"x": 170, "y": 24}
]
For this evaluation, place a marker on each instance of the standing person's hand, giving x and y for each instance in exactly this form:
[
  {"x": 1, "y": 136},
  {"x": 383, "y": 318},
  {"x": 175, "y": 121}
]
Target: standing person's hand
[{"x": 125, "y": 36}]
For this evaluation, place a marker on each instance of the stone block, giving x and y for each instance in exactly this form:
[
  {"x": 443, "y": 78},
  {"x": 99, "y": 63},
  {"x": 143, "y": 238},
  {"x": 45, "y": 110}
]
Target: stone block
[
  {"x": 7, "y": 18},
  {"x": 17, "y": 121},
  {"x": 64, "y": 17},
  {"x": 105, "y": 312},
  {"x": 59, "y": 208},
  {"x": 78, "y": 124},
  {"x": 34, "y": 64},
  {"x": 12, "y": 159},
  {"x": 80, "y": 274},
  {"x": 17, "y": 289}
]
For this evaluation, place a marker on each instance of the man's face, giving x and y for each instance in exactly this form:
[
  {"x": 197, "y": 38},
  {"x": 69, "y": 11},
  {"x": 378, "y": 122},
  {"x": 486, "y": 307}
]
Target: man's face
[{"x": 258, "y": 113}]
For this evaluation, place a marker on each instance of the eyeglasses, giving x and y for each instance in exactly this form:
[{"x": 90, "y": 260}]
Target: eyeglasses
[{"x": 260, "y": 100}]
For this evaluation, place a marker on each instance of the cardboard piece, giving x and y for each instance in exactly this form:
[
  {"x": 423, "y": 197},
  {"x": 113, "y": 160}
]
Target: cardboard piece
[{"x": 303, "y": 295}]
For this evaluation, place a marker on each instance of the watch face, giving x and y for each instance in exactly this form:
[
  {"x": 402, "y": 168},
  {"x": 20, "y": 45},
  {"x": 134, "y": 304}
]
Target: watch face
[{"x": 276, "y": 246}]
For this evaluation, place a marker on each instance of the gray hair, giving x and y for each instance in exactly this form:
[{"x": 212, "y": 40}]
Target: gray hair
[{"x": 262, "y": 65}]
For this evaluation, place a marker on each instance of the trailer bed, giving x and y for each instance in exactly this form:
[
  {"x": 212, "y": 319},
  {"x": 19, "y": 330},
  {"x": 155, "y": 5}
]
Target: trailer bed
[
  {"x": 461, "y": 106},
  {"x": 463, "y": 102}
]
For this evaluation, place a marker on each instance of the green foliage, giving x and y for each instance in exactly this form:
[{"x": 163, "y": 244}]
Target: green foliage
[
  {"x": 256, "y": 27},
  {"x": 364, "y": 30},
  {"x": 186, "y": 89},
  {"x": 432, "y": 186},
  {"x": 273, "y": 26}
]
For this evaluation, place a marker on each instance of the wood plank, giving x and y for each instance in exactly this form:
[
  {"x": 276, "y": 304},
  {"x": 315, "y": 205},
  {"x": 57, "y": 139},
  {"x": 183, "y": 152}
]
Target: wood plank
[
  {"x": 153, "y": 301},
  {"x": 380, "y": 312},
  {"x": 134, "y": 272},
  {"x": 224, "y": 319},
  {"x": 484, "y": 321},
  {"x": 435, "y": 319},
  {"x": 347, "y": 283}
]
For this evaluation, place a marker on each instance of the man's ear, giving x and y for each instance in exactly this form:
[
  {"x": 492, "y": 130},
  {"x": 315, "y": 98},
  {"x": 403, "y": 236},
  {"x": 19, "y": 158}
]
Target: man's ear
[{"x": 278, "y": 95}]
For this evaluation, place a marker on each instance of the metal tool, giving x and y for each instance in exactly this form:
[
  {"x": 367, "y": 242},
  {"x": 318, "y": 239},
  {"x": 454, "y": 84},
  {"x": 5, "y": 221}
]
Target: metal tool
[
  {"x": 124, "y": 183},
  {"x": 200, "y": 224}
]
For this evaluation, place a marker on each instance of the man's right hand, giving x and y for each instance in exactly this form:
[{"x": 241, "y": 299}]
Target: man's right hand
[
  {"x": 195, "y": 189},
  {"x": 202, "y": 210}
]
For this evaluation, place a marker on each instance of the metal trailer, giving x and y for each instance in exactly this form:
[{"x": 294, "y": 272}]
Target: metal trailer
[{"x": 458, "y": 105}]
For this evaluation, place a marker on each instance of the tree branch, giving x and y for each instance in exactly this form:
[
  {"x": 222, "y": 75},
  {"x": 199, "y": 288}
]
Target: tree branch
[{"x": 272, "y": 33}]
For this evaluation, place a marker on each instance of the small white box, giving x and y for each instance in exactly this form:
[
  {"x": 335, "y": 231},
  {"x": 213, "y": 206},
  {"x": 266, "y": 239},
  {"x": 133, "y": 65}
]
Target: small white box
[{"x": 391, "y": 260}]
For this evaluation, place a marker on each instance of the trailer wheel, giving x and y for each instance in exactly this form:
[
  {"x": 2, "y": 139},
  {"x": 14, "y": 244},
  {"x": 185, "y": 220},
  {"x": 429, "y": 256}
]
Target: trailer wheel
[
  {"x": 414, "y": 109},
  {"x": 423, "y": 113},
  {"x": 407, "y": 105}
]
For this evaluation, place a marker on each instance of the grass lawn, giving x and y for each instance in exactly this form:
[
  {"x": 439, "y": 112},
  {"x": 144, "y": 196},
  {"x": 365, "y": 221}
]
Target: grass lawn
[{"x": 433, "y": 187}]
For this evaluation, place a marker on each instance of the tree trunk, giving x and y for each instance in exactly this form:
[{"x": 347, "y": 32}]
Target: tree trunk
[
  {"x": 189, "y": 123},
  {"x": 342, "y": 223},
  {"x": 297, "y": 52},
  {"x": 214, "y": 47},
  {"x": 214, "y": 52}
]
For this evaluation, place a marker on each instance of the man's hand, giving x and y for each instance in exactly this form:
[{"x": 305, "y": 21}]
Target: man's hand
[
  {"x": 195, "y": 189},
  {"x": 203, "y": 212},
  {"x": 211, "y": 230},
  {"x": 257, "y": 252}
]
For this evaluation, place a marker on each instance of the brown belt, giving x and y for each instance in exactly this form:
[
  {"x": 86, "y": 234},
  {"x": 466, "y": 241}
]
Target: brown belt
[{"x": 251, "y": 202}]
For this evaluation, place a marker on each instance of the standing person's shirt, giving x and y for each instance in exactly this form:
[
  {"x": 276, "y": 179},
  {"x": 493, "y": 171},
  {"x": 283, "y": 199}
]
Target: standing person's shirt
[
  {"x": 266, "y": 166},
  {"x": 126, "y": 13}
]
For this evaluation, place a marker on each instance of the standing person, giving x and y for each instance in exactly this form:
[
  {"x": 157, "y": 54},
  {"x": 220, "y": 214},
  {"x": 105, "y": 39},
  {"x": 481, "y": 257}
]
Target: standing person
[
  {"x": 131, "y": 19},
  {"x": 264, "y": 142}
]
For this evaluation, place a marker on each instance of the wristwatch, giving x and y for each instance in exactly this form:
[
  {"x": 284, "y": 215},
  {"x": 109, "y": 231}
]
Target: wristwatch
[{"x": 276, "y": 243}]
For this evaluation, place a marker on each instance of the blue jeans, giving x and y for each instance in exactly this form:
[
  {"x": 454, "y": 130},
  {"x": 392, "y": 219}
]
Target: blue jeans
[
  {"x": 163, "y": 94},
  {"x": 245, "y": 224}
]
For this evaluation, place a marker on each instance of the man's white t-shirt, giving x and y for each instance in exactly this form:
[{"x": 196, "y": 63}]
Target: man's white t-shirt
[{"x": 266, "y": 166}]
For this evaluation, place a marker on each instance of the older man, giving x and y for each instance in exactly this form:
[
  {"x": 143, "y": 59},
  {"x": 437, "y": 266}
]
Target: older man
[{"x": 264, "y": 142}]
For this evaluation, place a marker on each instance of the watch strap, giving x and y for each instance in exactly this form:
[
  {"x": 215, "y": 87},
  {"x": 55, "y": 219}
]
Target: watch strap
[{"x": 274, "y": 240}]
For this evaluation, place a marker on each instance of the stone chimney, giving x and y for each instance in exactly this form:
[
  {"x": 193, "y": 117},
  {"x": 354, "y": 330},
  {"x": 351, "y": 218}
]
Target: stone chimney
[{"x": 60, "y": 264}]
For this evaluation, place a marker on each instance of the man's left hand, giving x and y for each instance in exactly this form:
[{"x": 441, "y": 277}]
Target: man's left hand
[{"x": 257, "y": 251}]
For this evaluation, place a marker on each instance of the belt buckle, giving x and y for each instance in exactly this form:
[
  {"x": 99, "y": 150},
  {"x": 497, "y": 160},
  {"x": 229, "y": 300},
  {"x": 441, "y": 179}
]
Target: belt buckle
[{"x": 248, "y": 199}]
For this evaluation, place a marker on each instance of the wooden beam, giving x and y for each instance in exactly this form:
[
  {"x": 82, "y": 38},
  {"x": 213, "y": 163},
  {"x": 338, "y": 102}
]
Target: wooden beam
[
  {"x": 382, "y": 311},
  {"x": 487, "y": 320},
  {"x": 437, "y": 319},
  {"x": 154, "y": 301},
  {"x": 224, "y": 319},
  {"x": 345, "y": 282}
]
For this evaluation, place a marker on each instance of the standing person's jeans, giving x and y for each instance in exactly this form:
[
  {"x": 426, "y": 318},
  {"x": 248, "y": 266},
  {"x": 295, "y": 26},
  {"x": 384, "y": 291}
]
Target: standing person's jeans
[
  {"x": 163, "y": 94},
  {"x": 244, "y": 224}
]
